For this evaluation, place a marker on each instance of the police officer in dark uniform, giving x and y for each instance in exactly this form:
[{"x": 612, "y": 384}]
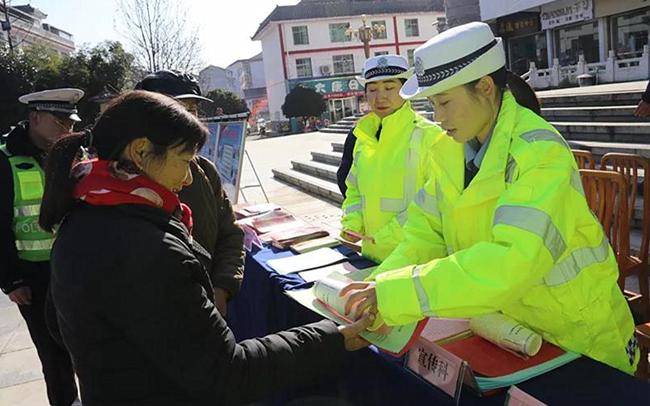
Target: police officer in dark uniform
[{"x": 24, "y": 246}]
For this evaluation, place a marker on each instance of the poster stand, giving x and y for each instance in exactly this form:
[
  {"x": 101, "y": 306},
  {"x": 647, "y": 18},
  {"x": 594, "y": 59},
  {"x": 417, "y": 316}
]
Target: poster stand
[
  {"x": 225, "y": 147},
  {"x": 258, "y": 184}
]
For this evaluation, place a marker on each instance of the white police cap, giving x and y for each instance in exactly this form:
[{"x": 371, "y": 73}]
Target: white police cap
[{"x": 62, "y": 101}]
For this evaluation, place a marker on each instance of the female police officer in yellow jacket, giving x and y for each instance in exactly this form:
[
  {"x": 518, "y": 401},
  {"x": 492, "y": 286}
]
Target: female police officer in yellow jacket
[
  {"x": 513, "y": 233},
  {"x": 391, "y": 158}
]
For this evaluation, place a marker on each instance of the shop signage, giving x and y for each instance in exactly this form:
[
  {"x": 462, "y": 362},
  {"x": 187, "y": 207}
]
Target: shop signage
[
  {"x": 519, "y": 24},
  {"x": 566, "y": 12},
  {"x": 331, "y": 87},
  {"x": 605, "y": 8}
]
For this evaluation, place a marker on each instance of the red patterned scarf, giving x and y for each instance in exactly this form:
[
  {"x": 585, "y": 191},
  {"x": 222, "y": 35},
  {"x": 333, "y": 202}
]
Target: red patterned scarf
[{"x": 110, "y": 183}]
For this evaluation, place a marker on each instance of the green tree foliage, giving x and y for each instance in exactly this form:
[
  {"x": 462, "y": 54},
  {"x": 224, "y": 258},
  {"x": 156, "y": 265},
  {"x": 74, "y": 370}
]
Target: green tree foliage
[
  {"x": 225, "y": 100},
  {"x": 303, "y": 102},
  {"x": 105, "y": 66}
]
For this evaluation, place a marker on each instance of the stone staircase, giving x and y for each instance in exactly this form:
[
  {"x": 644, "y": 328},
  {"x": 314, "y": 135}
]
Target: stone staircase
[{"x": 599, "y": 122}]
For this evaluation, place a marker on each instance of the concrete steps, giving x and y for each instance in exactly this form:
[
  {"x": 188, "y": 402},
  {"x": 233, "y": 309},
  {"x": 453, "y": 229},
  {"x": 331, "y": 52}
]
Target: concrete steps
[
  {"x": 638, "y": 133},
  {"x": 598, "y": 113},
  {"x": 598, "y": 149},
  {"x": 310, "y": 184},
  {"x": 317, "y": 169},
  {"x": 330, "y": 130},
  {"x": 330, "y": 158},
  {"x": 421, "y": 105},
  {"x": 590, "y": 100},
  {"x": 337, "y": 147}
]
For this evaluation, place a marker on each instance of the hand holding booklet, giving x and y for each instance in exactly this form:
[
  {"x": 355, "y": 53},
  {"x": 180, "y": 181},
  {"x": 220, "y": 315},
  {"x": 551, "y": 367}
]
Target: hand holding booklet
[{"x": 324, "y": 298}]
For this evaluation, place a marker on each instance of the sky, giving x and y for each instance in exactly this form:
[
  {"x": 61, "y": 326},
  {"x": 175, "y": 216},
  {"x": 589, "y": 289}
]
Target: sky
[{"x": 225, "y": 26}]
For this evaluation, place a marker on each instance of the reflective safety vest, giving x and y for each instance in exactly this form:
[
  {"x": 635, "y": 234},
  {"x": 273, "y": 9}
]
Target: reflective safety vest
[
  {"x": 32, "y": 242},
  {"x": 386, "y": 175},
  {"x": 519, "y": 239}
]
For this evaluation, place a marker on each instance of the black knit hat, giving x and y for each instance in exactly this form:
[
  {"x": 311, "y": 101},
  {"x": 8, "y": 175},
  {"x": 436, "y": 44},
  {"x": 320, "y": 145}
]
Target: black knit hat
[{"x": 175, "y": 84}]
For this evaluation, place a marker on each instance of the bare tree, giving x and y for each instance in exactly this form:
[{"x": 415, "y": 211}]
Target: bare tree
[{"x": 160, "y": 35}]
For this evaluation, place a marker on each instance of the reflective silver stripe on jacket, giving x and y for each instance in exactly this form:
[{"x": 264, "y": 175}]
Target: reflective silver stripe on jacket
[
  {"x": 353, "y": 209},
  {"x": 352, "y": 180},
  {"x": 544, "y": 135},
  {"x": 569, "y": 268},
  {"x": 576, "y": 182},
  {"x": 534, "y": 221},
  {"x": 27, "y": 210},
  {"x": 34, "y": 245},
  {"x": 427, "y": 203},
  {"x": 410, "y": 182},
  {"x": 425, "y": 307}
]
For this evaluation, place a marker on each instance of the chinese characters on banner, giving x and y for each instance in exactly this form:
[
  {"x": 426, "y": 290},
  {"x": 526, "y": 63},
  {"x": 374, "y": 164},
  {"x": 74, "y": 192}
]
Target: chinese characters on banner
[
  {"x": 331, "y": 88},
  {"x": 566, "y": 12},
  {"x": 518, "y": 24}
]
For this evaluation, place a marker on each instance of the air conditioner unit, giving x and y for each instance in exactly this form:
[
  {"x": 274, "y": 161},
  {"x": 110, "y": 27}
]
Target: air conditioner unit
[{"x": 324, "y": 70}]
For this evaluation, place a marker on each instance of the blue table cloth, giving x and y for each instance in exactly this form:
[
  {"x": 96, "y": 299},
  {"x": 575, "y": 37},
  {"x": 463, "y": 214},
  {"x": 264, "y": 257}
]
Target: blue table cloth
[{"x": 372, "y": 378}]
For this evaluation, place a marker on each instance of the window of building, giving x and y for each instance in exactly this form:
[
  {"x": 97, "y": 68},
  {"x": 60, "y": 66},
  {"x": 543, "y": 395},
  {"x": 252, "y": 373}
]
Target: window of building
[
  {"x": 300, "y": 35},
  {"x": 527, "y": 49},
  {"x": 412, "y": 28},
  {"x": 410, "y": 56},
  {"x": 343, "y": 64},
  {"x": 630, "y": 33},
  {"x": 379, "y": 29},
  {"x": 379, "y": 53},
  {"x": 303, "y": 68},
  {"x": 577, "y": 39},
  {"x": 339, "y": 32}
]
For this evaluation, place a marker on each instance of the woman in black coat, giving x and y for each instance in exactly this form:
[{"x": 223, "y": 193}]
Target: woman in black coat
[{"x": 131, "y": 292}]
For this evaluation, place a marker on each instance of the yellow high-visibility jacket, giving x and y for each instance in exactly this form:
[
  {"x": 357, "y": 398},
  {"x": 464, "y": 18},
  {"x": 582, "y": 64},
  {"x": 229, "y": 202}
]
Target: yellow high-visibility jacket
[
  {"x": 386, "y": 175},
  {"x": 520, "y": 239}
]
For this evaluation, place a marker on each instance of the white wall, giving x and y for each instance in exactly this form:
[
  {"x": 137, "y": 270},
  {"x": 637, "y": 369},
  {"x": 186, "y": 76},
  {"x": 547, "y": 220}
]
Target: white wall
[
  {"x": 274, "y": 75},
  {"x": 257, "y": 73},
  {"x": 212, "y": 78},
  {"x": 491, "y": 9},
  {"x": 234, "y": 74}
]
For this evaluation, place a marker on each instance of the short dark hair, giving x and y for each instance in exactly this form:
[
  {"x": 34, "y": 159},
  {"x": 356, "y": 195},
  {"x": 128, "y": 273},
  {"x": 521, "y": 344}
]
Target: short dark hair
[{"x": 160, "y": 119}]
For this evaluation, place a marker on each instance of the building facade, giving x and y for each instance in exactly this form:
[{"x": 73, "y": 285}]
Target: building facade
[
  {"x": 213, "y": 77},
  {"x": 245, "y": 78},
  {"x": 27, "y": 28},
  {"x": 312, "y": 44},
  {"x": 553, "y": 42}
]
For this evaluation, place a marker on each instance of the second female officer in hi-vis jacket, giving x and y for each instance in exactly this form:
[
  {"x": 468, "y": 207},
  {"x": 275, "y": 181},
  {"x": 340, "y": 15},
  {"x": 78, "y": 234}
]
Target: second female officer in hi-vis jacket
[{"x": 391, "y": 159}]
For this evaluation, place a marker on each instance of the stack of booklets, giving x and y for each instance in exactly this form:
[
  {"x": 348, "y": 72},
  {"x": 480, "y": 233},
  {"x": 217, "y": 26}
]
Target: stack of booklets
[
  {"x": 246, "y": 210},
  {"x": 498, "y": 354},
  {"x": 324, "y": 298},
  {"x": 280, "y": 228}
]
